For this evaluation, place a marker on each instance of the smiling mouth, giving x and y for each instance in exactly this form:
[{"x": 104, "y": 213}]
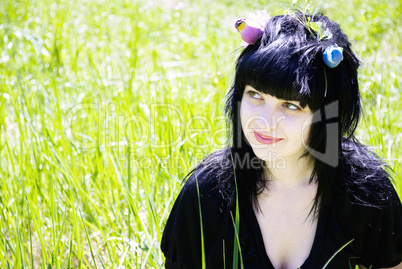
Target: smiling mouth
[{"x": 265, "y": 139}]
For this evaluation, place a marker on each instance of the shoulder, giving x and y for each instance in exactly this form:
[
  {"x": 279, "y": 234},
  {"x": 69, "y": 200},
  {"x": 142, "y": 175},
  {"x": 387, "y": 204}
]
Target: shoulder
[
  {"x": 366, "y": 179},
  {"x": 198, "y": 212},
  {"x": 209, "y": 177},
  {"x": 203, "y": 188},
  {"x": 374, "y": 210}
]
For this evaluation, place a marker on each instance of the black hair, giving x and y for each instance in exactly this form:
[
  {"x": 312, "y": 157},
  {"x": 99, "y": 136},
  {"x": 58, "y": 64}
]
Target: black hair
[{"x": 287, "y": 62}]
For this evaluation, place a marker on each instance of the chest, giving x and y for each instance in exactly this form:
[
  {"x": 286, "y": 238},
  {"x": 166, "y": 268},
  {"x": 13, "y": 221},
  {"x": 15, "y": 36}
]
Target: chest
[{"x": 288, "y": 231}]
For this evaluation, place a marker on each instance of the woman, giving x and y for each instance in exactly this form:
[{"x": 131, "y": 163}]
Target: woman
[{"x": 295, "y": 188}]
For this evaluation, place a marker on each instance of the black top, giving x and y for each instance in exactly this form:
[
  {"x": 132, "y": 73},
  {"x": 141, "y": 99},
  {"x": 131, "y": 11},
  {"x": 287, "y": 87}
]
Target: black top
[{"x": 376, "y": 231}]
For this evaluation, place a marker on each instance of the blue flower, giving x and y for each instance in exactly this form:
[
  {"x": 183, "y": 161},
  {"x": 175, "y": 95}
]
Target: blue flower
[{"x": 332, "y": 56}]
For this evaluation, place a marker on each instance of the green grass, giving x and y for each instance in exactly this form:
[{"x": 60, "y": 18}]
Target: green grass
[{"x": 106, "y": 105}]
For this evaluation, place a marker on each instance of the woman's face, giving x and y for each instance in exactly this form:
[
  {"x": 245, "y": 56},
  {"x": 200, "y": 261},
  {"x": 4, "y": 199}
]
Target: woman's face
[{"x": 275, "y": 128}]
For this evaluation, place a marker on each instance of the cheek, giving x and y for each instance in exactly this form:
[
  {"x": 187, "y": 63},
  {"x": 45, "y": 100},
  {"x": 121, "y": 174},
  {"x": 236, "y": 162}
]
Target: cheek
[
  {"x": 244, "y": 114},
  {"x": 306, "y": 129},
  {"x": 306, "y": 135}
]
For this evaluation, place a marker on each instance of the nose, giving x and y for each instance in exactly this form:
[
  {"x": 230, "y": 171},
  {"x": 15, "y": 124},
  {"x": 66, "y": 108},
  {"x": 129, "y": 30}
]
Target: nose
[{"x": 269, "y": 117}]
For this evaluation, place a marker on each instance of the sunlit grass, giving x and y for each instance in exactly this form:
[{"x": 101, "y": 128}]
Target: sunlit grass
[{"x": 106, "y": 105}]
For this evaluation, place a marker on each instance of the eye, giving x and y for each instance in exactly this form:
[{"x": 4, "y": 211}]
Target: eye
[
  {"x": 254, "y": 95},
  {"x": 291, "y": 106}
]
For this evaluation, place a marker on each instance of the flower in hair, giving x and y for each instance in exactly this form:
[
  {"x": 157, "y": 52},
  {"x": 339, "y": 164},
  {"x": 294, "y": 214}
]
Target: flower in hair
[
  {"x": 318, "y": 30},
  {"x": 332, "y": 56},
  {"x": 251, "y": 29}
]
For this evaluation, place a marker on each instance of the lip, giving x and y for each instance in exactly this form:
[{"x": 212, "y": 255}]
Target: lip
[{"x": 266, "y": 139}]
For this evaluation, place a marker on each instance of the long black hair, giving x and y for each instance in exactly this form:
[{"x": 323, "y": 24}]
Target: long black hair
[{"x": 287, "y": 62}]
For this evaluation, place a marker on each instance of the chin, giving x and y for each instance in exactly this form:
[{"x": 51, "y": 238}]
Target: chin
[{"x": 267, "y": 155}]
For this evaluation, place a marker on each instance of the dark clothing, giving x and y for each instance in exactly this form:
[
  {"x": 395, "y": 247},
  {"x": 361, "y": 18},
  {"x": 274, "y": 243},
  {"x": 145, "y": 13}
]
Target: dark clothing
[{"x": 376, "y": 231}]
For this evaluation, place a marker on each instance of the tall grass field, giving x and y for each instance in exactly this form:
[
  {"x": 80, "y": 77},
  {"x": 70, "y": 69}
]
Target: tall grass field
[{"x": 106, "y": 105}]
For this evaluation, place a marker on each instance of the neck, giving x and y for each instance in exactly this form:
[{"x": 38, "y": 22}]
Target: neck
[{"x": 290, "y": 172}]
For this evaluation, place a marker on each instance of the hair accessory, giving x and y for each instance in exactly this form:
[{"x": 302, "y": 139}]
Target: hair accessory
[
  {"x": 332, "y": 56},
  {"x": 251, "y": 29}
]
